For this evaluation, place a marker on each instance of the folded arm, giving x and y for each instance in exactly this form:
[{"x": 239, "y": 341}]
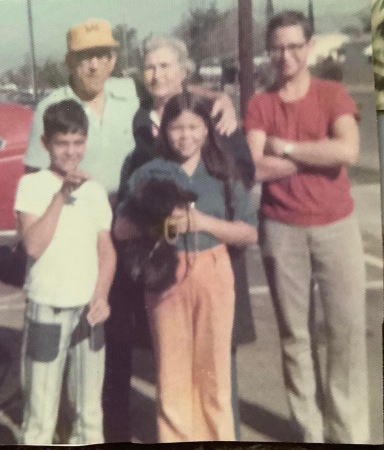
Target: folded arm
[
  {"x": 268, "y": 167},
  {"x": 342, "y": 148}
]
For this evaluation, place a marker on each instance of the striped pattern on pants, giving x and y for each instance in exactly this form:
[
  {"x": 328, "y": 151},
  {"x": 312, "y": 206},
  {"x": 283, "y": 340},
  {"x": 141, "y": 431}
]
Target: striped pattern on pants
[{"x": 53, "y": 337}]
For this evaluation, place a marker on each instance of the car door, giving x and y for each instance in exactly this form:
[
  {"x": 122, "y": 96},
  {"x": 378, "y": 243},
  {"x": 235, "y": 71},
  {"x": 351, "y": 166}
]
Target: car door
[{"x": 15, "y": 123}]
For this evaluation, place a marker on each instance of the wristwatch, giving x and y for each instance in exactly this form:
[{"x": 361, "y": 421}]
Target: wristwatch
[{"x": 287, "y": 150}]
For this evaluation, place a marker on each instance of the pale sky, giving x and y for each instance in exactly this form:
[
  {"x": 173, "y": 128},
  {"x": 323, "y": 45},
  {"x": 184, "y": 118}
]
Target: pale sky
[{"x": 52, "y": 18}]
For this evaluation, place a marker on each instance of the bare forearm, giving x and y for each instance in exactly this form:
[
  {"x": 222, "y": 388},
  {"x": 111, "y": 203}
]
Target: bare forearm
[
  {"x": 203, "y": 91},
  {"x": 99, "y": 309},
  {"x": 340, "y": 148},
  {"x": 39, "y": 234},
  {"x": 325, "y": 153},
  {"x": 237, "y": 232},
  {"x": 107, "y": 267},
  {"x": 269, "y": 168}
]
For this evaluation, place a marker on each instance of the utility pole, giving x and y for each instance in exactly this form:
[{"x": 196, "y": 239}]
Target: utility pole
[
  {"x": 124, "y": 49},
  {"x": 311, "y": 16},
  {"x": 246, "y": 78},
  {"x": 32, "y": 43},
  {"x": 269, "y": 10}
]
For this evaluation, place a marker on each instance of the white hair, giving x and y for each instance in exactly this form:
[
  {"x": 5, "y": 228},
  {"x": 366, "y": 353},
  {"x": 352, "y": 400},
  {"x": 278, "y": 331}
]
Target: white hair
[{"x": 176, "y": 45}]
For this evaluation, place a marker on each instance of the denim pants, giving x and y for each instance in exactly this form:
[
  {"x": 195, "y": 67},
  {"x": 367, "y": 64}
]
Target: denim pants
[
  {"x": 296, "y": 257},
  {"x": 52, "y": 338}
]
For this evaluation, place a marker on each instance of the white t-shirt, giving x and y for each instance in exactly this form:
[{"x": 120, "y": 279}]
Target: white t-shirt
[{"x": 65, "y": 274}]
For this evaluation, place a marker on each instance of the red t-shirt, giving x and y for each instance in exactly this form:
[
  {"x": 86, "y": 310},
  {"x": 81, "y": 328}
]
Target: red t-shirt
[{"x": 315, "y": 195}]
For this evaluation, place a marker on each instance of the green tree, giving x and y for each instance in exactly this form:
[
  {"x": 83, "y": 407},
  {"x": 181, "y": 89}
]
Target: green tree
[
  {"x": 366, "y": 23},
  {"x": 196, "y": 30},
  {"x": 128, "y": 53},
  {"x": 52, "y": 74}
]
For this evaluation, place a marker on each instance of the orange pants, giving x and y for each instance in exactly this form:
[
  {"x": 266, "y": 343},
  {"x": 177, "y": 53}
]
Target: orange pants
[{"x": 191, "y": 325}]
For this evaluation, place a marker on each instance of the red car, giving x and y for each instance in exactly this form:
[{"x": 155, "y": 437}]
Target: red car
[{"x": 15, "y": 123}]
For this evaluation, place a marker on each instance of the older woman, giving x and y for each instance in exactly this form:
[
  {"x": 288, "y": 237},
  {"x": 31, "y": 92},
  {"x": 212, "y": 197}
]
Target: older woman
[{"x": 166, "y": 70}]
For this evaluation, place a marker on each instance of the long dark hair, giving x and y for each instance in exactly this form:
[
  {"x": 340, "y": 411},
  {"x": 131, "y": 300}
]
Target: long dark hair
[{"x": 217, "y": 160}]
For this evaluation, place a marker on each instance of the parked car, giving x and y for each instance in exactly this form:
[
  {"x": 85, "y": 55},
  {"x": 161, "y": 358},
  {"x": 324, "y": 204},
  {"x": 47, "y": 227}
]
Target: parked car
[{"x": 15, "y": 123}]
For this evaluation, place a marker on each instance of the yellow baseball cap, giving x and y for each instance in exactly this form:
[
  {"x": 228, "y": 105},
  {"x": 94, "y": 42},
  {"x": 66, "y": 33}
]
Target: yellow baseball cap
[{"x": 90, "y": 34}]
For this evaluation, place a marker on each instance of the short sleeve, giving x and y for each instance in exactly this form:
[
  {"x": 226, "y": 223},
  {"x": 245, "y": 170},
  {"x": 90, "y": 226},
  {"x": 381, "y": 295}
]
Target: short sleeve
[
  {"x": 31, "y": 197},
  {"x": 255, "y": 117},
  {"x": 341, "y": 103}
]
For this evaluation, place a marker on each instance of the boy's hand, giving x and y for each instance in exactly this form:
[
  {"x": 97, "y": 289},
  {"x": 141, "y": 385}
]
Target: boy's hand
[
  {"x": 98, "y": 311},
  {"x": 72, "y": 181}
]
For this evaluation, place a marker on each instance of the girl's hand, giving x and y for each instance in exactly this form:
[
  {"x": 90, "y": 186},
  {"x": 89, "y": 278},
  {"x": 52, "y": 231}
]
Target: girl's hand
[{"x": 188, "y": 220}]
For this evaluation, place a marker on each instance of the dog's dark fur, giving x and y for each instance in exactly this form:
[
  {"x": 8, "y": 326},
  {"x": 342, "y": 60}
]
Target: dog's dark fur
[{"x": 151, "y": 203}]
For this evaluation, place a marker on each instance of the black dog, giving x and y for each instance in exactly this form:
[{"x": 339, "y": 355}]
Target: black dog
[{"x": 152, "y": 256}]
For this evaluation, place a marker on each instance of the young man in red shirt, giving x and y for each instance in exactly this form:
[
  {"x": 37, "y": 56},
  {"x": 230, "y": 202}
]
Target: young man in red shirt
[{"x": 303, "y": 134}]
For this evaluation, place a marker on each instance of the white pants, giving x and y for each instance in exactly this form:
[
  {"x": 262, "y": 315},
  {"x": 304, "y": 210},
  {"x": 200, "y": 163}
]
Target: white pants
[
  {"x": 51, "y": 337},
  {"x": 296, "y": 257}
]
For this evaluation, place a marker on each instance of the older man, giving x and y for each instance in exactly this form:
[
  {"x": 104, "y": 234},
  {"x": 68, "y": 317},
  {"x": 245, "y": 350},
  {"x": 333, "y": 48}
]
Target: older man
[{"x": 109, "y": 103}]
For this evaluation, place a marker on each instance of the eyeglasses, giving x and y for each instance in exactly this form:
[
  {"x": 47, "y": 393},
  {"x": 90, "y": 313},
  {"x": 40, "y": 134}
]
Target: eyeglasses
[
  {"x": 102, "y": 54},
  {"x": 293, "y": 49}
]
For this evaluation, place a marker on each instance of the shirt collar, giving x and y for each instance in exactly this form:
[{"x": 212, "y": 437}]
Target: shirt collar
[{"x": 113, "y": 88}]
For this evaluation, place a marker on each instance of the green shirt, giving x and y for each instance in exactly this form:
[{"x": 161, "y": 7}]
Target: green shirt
[
  {"x": 210, "y": 192},
  {"x": 110, "y": 137}
]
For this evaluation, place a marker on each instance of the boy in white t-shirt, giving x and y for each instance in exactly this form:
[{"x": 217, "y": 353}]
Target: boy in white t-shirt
[{"x": 64, "y": 220}]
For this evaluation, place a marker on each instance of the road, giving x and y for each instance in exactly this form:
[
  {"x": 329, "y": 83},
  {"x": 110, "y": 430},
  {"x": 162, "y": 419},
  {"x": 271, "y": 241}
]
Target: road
[{"x": 263, "y": 408}]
